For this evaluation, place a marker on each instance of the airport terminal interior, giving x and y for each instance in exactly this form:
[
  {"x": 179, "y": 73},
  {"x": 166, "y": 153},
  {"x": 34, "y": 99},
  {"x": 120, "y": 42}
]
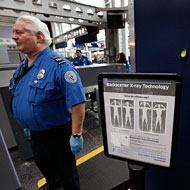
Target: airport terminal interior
[{"x": 137, "y": 110}]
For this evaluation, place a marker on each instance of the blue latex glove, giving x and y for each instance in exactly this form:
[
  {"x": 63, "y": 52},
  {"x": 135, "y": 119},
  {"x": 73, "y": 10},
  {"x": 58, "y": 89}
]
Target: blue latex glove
[
  {"x": 76, "y": 144},
  {"x": 27, "y": 132}
]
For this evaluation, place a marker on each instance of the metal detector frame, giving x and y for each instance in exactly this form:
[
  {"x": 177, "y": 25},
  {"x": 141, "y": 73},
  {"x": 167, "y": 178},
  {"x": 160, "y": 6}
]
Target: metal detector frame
[{"x": 8, "y": 174}]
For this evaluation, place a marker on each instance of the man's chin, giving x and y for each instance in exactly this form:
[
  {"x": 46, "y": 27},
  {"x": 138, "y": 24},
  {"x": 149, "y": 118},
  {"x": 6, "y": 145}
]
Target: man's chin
[{"x": 20, "y": 49}]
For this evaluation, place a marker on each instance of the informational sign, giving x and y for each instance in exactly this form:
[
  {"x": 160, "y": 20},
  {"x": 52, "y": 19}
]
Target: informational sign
[{"x": 138, "y": 116}]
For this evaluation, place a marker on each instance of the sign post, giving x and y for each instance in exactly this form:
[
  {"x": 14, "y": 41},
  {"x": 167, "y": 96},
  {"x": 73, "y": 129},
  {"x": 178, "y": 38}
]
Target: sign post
[{"x": 139, "y": 116}]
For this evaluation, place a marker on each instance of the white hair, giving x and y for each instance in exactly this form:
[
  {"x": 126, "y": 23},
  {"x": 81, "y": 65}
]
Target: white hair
[{"x": 36, "y": 25}]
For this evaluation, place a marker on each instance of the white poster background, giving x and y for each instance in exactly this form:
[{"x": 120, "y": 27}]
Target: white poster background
[{"x": 140, "y": 127}]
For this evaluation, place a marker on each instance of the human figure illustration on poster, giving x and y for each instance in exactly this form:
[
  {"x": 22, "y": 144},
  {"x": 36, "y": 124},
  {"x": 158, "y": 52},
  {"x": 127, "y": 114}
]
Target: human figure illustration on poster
[
  {"x": 128, "y": 114},
  {"x": 145, "y": 108},
  {"x": 159, "y": 117},
  {"x": 115, "y": 109}
]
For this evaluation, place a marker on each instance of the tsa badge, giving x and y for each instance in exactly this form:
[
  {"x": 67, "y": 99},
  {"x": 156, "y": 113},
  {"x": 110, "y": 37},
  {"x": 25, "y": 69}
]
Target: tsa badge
[
  {"x": 41, "y": 74},
  {"x": 70, "y": 77},
  {"x": 42, "y": 71}
]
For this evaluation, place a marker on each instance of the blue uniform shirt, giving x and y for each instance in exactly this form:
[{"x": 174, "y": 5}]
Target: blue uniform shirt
[
  {"x": 81, "y": 61},
  {"x": 128, "y": 67},
  {"x": 44, "y": 96}
]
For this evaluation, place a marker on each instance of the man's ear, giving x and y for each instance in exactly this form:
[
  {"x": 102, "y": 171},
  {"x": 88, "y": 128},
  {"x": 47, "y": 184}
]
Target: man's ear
[{"x": 40, "y": 37}]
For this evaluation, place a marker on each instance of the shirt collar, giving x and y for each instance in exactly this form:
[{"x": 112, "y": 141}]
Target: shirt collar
[
  {"x": 37, "y": 61},
  {"x": 81, "y": 57}
]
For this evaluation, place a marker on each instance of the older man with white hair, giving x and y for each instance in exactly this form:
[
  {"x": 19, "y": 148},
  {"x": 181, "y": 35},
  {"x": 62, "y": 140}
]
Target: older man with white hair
[{"x": 49, "y": 102}]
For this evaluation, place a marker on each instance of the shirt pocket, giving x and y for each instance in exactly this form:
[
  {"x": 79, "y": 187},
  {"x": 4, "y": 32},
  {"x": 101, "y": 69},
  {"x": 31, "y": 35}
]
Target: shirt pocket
[{"x": 41, "y": 92}]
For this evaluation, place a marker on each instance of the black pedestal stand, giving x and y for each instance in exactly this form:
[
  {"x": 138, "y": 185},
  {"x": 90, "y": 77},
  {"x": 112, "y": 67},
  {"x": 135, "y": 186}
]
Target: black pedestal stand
[{"x": 137, "y": 173}]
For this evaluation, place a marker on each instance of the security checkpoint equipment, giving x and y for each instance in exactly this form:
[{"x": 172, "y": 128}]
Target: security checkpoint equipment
[{"x": 8, "y": 175}]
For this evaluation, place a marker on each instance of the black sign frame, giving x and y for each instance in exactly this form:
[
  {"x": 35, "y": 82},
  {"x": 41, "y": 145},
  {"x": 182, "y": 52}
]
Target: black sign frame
[{"x": 141, "y": 76}]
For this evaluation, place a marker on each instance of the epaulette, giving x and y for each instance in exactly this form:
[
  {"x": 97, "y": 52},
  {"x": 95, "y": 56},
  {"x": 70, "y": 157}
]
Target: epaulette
[{"x": 59, "y": 60}]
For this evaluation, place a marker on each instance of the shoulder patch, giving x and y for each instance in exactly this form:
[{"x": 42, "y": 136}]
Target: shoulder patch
[
  {"x": 59, "y": 60},
  {"x": 70, "y": 77}
]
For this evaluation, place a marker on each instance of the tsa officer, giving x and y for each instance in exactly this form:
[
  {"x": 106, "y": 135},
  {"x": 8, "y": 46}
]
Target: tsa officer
[
  {"x": 81, "y": 60},
  {"x": 48, "y": 100}
]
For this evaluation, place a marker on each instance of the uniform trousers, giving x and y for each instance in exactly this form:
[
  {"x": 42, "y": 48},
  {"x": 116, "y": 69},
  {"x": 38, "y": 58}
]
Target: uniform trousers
[{"x": 53, "y": 156}]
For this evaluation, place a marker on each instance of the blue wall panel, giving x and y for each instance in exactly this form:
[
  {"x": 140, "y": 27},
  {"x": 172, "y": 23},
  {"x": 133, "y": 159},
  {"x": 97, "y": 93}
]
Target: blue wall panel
[{"x": 162, "y": 29}]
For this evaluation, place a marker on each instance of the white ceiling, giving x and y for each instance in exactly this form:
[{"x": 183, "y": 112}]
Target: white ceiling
[{"x": 96, "y": 3}]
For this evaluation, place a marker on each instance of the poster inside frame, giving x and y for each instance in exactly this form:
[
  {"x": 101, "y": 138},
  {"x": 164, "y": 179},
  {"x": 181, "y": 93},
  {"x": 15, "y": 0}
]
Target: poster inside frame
[{"x": 138, "y": 116}]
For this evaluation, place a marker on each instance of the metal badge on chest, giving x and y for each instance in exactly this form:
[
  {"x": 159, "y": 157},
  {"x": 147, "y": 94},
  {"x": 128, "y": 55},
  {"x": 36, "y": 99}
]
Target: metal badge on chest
[{"x": 41, "y": 74}]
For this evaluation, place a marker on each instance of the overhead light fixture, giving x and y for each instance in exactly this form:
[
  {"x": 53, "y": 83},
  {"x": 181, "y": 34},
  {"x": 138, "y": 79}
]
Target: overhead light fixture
[
  {"x": 80, "y": 20},
  {"x": 71, "y": 19},
  {"x": 66, "y": 7}
]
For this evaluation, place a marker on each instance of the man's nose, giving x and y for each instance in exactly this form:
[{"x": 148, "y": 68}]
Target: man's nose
[{"x": 14, "y": 36}]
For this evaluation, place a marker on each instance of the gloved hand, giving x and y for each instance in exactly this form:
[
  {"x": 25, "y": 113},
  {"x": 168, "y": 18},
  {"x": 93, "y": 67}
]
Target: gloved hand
[
  {"x": 76, "y": 144},
  {"x": 27, "y": 132}
]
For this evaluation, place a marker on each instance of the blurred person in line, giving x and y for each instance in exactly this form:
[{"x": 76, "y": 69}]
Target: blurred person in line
[
  {"x": 81, "y": 60},
  {"x": 121, "y": 58},
  {"x": 94, "y": 59},
  {"x": 44, "y": 103}
]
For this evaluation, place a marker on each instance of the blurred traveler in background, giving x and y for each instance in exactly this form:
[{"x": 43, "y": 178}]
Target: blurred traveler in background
[{"x": 121, "y": 58}]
